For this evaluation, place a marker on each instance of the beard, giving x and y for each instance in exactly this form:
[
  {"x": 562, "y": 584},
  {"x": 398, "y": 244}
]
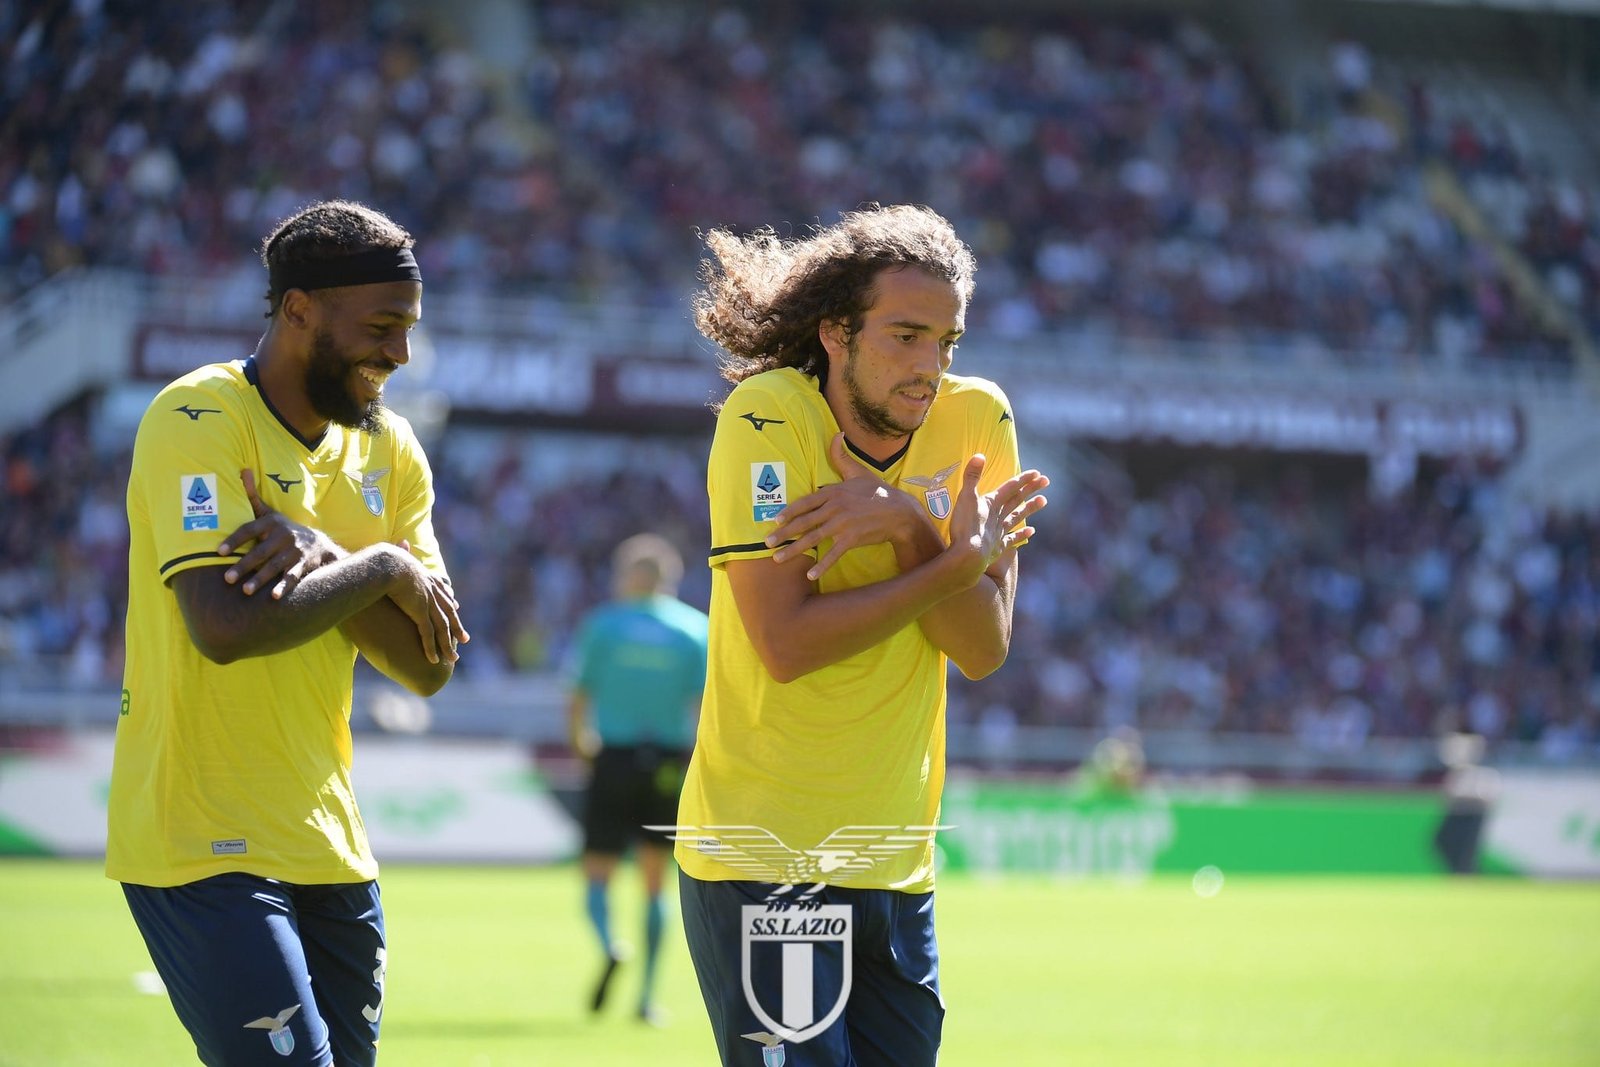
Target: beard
[
  {"x": 328, "y": 388},
  {"x": 875, "y": 416}
]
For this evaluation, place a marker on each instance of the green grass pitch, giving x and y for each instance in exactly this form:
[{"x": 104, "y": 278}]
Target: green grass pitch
[{"x": 490, "y": 967}]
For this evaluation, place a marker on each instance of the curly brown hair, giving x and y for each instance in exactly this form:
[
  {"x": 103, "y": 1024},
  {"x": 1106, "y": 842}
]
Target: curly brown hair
[
  {"x": 328, "y": 230},
  {"x": 765, "y": 297}
]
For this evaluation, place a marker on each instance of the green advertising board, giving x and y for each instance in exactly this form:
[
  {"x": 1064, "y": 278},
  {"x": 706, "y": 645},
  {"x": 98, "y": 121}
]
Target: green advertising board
[{"x": 1059, "y": 828}]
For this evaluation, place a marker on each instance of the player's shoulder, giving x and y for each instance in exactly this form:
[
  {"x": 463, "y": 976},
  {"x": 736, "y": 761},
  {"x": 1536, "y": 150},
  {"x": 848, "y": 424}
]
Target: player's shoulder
[
  {"x": 207, "y": 399},
  {"x": 773, "y": 396},
  {"x": 398, "y": 436},
  {"x": 219, "y": 383},
  {"x": 974, "y": 393},
  {"x": 398, "y": 426}
]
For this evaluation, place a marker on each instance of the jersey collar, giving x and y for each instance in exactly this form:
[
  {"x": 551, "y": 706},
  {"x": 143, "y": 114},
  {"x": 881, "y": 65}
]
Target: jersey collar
[
  {"x": 880, "y": 465},
  {"x": 252, "y": 374}
]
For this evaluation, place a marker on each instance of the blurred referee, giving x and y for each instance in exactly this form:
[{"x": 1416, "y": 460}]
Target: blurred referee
[{"x": 638, "y": 669}]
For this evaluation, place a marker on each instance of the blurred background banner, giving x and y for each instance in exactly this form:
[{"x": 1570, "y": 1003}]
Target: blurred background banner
[
  {"x": 1297, "y": 303},
  {"x": 429, "y": 799},
  {"x": 1543, "y": 827}
]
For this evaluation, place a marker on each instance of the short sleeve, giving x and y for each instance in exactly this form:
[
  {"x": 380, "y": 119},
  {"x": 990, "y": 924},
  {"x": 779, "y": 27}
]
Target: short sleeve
[
  {"x": 184, "y": 483},
  {"x": 759, "y": 463},
  {"x": 414, "y": 514},
  {"x": 1000, "y": 446}
]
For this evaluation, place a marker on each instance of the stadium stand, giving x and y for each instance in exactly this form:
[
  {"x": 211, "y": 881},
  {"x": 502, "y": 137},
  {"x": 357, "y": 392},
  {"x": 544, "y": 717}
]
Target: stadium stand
[
  {"x": 1132, "y": 177},
  {"x": 1130, "y": 181}
]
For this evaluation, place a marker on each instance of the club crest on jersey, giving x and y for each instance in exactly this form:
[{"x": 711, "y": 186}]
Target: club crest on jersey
[
  {"x": 772, "y": 1054},
  {"x": 768, "y": 492},
  {"x": 277, "y": 1028},
  {"x": 370, "y": 493},
  {"x": 934, "y": 491},
  {"x": 200, "y": 510}
]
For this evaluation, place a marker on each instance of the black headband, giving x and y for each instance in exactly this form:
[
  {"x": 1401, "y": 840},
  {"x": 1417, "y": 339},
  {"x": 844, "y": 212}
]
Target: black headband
[{"x": 363, "y": 268}]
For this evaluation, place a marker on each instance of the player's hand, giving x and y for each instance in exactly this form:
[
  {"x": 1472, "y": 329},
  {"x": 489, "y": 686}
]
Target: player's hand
[
  {"x": 429, "y": 602},
  {"x": 987, "y": 525},
  {"x": 586, "y": 743},
  {"x": 863, "y": 509},
  {"x": 284, "y": 552}
]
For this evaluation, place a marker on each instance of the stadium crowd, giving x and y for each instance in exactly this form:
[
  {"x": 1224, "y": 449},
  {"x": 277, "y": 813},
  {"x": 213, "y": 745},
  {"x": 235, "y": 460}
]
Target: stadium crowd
[
  {"x": 1130, "y": 177},
  {"x": 1271, "y": 604},
  {"x": 1119, "y": 178}
]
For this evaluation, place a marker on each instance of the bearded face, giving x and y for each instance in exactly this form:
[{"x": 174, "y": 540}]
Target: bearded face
[{"x": 338, "y": 390}]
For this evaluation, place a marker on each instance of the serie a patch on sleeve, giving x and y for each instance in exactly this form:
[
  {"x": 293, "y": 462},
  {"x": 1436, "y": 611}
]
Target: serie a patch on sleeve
[
  {"x": 768, "y": 490},
  {"x": 199, "y": 501}
]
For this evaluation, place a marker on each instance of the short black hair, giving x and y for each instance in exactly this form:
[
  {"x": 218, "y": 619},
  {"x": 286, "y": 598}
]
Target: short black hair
[{"x": 328, "y": 230}]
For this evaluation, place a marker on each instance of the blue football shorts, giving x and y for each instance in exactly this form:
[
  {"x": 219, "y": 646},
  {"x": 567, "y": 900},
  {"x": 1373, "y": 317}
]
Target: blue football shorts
[
  {"x": 751, "y": 951},
  {"x": 263, "y": 972}
]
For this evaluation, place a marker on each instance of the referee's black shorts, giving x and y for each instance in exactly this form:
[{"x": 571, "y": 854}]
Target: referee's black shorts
[{"x": 631, "y": 787}]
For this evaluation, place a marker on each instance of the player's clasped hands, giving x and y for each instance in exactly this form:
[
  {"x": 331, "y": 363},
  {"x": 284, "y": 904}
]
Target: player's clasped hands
[
  {"x": 288, "y": 551},
  {"x": 862, "y": 509},
  {"x": 995, "y": 522},
  {"x": 430, "y": 603},
  {"x": 283, "y": 549}
]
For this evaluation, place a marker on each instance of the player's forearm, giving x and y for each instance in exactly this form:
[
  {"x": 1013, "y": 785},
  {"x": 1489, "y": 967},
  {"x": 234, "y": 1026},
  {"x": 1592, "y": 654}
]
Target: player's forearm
[
  {"x": 973, "y": 627},
  {"x": 227, "y": 625},
  {"x": 580, "y": 735},
  {"x": 390, "y": 642},
  {"x": 826, "y": 628}
]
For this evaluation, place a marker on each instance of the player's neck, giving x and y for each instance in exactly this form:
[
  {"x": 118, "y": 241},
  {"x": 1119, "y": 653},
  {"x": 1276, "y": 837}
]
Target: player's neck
[
  {"x": 863, "y": 440},
  {"x": 282, "y": 382},
  {"x": 879, "y": 448}
]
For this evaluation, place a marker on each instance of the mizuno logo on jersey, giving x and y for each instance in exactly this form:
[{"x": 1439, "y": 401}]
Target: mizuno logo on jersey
[
  {"x": 759, "y": 423},
  {"x": 1005, "y": 416},
  {"x": 284, "y": 483},
  {"x": 195, "y": 413}
]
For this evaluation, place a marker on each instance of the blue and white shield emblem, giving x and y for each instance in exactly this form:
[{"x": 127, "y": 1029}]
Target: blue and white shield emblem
[
  {"x": 772, "y": 1057},
  {"x": 282, "y": 1041},
  {"x": 277, "y": 1028},
  {"x": 934, "y": 490},
  {"x": 792, "y": 939},
  {"x": 371, "y": 495}
]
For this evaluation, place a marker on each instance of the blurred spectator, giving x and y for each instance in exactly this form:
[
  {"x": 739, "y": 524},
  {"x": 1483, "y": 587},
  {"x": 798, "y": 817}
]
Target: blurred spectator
[
  {"x": 1211, "y": 602},
  {"x": 63, "y": 555},
  {"x": 1125, "y": 176}
]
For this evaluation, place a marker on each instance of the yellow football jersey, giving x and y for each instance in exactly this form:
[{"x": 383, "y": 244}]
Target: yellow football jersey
[
  {"x": 245, "y": 767},
  {"x": 859, "y": 742}
]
